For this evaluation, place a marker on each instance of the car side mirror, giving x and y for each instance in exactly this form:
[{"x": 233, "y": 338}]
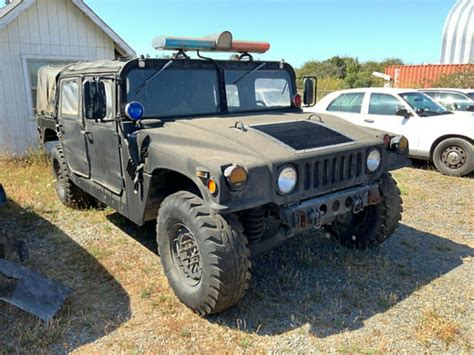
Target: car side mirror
[
  {"x": 402, "y": 111},
  {"x": 95, "y": 100},
  {"x": 309, "y": 93}
]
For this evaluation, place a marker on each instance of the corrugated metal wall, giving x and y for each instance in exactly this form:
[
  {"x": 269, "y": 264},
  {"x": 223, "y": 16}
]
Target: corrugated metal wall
[
  {"x": 414, "y": 76},
  {"x": 48, "y": 29}
]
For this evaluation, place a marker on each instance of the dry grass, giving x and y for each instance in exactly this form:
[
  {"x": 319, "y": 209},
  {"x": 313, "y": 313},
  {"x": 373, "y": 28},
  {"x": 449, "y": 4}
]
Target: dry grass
[
  {"x": 309, "y": 295},
  {"x": 434, "y": 326}
]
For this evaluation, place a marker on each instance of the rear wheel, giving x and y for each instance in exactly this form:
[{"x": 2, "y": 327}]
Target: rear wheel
[
  {"x": 454, "y": 156},
  {"x": 374, "y": 224},
  {"x": 69, "y": 194},
  {"x": 205, "y": 256}
]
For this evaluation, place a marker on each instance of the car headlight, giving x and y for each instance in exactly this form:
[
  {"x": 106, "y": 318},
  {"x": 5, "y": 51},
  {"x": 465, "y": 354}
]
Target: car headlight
[
  {"x": 373, "y": 160},
  {"x": 287, "y": 180}
]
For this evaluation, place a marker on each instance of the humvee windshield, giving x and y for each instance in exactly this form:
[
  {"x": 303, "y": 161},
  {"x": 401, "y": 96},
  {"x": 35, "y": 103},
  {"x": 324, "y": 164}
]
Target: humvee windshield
[{"x": 181, "y": 92}]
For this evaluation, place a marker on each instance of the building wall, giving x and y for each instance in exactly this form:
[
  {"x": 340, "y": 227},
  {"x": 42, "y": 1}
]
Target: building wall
[
  {"x": 52, "y": 30},
  {"x": 458, "y": 34}
]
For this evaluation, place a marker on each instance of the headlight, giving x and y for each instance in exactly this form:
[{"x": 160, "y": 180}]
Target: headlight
[
  {"x": 373, "y": 160},
  {"x": 399, "y": 143},
  {"x": 287, "y": 180},
  {"x": 236, "y": 177}
]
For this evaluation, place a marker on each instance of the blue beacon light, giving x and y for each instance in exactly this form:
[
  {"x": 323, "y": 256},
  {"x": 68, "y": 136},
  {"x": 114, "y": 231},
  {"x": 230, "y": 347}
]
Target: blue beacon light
[{"x": 134, "y": 110}]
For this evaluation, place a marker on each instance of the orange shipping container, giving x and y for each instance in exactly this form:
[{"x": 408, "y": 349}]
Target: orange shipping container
[{"x": 415, "y": 76}]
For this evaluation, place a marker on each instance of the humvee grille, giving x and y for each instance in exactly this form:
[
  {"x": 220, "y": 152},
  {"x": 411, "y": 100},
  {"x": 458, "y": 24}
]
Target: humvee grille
[
  {"x": 335, "y": 170},
  {"x": 303, "y": 135}
]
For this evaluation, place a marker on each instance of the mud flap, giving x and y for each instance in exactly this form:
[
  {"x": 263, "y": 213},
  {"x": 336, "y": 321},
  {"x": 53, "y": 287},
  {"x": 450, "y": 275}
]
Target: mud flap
[
  {"x": 31, "y": 292},
  {"x": 3, "y": 197}
]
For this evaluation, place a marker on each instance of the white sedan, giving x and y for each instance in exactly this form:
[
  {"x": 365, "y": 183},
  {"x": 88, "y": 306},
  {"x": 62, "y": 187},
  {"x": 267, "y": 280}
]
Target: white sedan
[{"x": 433, "y": 133}]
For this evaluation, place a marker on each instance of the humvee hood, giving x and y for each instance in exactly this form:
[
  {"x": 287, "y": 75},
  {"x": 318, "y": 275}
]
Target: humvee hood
[{"x": 246, "y": 140}]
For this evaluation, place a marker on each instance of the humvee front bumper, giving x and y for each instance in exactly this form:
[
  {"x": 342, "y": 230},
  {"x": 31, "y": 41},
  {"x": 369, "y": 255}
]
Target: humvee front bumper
[
  {"x": 319, "y": 211},
  {"x": 316, "y": 212}
]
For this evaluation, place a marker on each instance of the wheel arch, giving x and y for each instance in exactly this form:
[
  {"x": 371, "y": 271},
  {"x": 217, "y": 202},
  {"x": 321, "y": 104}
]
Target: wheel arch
[
  {"x": 447, "y": 136},
  {"x": 165, "y": 182}
]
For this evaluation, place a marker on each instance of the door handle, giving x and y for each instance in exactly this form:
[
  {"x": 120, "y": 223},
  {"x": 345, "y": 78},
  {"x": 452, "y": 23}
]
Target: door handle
[{"x": 369, "y": 121}]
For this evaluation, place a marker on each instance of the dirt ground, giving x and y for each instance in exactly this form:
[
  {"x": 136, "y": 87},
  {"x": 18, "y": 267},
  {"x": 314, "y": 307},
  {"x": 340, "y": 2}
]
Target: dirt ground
[{"x": 415, "y": 293}]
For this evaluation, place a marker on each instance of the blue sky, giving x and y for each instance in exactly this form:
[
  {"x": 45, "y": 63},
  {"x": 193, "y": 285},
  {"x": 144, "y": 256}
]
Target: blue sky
[{"x": 298, "y": 30}]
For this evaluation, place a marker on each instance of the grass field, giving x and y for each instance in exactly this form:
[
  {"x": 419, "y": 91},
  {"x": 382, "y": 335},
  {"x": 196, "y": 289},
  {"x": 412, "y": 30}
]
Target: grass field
[{"x": 415, "y": 293}]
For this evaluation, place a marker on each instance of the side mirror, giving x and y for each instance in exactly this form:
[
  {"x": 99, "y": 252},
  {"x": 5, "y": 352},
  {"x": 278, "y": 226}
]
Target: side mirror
[
  {"x": 309, "y": 93},
  {"x": 402, "y": 111},
  {"x": 95, "y": 100}
]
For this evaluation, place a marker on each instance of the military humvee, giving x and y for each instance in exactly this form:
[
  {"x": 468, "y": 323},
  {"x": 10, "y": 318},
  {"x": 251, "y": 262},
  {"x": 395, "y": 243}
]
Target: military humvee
[{"x": 220, "y": 153}]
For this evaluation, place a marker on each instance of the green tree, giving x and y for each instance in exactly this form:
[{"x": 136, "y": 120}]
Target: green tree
[
  {"x": 460, "y": 80},
  {"x": 352, "y": 72}
]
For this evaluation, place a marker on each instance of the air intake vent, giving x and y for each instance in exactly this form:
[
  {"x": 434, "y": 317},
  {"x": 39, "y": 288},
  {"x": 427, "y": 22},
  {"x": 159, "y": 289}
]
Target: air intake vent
[{"x": 303, "y": 135}]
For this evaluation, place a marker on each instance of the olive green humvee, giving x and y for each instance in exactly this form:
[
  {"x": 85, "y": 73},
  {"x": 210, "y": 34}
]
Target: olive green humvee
[{"x": 222, "y": 156}]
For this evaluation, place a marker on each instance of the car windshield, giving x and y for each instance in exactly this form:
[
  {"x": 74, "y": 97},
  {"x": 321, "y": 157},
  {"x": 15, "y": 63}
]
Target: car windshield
[
  {"x": 257, "y": 89},
  {"x": 175, "y": 92},
  {"x": 423, "y": 105},
  {"x": 471, "y": 95}
]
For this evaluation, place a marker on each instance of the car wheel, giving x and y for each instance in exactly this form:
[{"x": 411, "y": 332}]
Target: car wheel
[
  {"x": 205, "y": 256},
  {"x": 374, "y": 224},
  {"x": 69, "y": 194},
  {"x": 454, "y": 157}
]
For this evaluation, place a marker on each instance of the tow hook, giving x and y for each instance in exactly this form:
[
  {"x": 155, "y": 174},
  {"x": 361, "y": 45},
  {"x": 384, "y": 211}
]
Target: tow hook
[
  {"x": 315, "y": 218},
  {"x": 358, "y": 205}
]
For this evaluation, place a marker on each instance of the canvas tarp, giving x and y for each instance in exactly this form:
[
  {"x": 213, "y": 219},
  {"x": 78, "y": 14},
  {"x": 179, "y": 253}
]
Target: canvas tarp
[{"x": 46, "y": 92}]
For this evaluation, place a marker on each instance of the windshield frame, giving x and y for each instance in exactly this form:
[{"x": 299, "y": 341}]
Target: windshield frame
[{"x": 220, "y": 66}]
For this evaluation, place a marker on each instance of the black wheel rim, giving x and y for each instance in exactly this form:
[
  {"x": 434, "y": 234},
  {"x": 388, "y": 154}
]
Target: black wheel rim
[
  {"x": 454, "y": 157},
  {"x": 186, "y": 254}
]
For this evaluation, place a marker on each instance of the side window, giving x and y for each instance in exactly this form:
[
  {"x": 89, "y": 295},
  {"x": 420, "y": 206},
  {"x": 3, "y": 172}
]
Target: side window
[
  {"x": 383, "y": 104},
  {"x": 351, "y": 102},
  {"x": 449, "y": 96},
  {"x": 109, "y": 98},
  {"x": 69, "y": 104},
  {"x": 98, "y": 99}
]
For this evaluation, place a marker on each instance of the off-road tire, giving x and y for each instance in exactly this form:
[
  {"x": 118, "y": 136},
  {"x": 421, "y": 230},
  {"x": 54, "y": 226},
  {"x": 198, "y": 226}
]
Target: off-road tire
[
  {"x": 374, "y": 224},
  {"x": 223, "y": 251},
  {"x": 69, "y": 194},
  {"x": 460, "y": 147}
]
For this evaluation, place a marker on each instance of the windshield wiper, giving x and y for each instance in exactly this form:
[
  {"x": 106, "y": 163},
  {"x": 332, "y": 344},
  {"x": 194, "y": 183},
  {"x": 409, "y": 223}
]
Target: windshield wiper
[
  {"x": 248, "y": 73},
  {"x": 153, "y": 76}
]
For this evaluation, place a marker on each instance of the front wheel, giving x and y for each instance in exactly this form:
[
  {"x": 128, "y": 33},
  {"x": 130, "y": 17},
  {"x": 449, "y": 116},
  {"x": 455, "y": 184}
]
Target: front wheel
[
  {"x": 454, "y": 156},
  {"x": 374, "y": 224},
  {"x": 205, "y": 257}
]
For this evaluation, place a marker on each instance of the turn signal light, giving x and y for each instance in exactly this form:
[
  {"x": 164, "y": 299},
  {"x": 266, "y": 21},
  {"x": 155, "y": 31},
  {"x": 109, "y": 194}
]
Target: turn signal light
[{"x": 212, "y": 186}]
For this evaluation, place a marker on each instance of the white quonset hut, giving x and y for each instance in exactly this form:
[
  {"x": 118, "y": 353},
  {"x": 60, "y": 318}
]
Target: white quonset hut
[
  {"x": 458, "y": 34},
  {"x": 34, "y": 33}
]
